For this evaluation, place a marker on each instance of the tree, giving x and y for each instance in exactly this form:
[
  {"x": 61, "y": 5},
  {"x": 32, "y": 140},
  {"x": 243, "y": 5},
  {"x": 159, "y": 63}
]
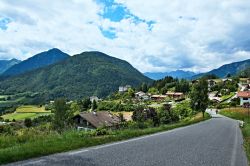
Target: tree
[
  {"x": 144, "y": 87},
  {"x": 152, "y": 90},
  {"x": 131, "y": 93},
  {"x": 84, "y": 104},
  {"x": 94, "y": 105},
  {"x": 199, "y": 96},
  {"x": 62, "y": 115},
  {"x": 27, "y": 122}
]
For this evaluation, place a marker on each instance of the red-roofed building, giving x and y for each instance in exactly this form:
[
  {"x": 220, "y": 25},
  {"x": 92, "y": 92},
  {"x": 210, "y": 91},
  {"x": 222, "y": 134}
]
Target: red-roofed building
[{"x": 244, "y": 97}]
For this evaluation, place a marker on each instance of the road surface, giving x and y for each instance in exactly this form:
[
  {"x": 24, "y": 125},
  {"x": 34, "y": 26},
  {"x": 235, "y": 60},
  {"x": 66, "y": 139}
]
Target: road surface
[{"x": 214, "y": 142}]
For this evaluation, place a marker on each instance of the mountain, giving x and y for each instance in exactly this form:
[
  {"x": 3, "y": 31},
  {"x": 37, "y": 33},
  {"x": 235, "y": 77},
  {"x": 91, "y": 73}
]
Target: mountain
[
  {"x": 223, "y": 71},
  {"x": 6, "y": 64},
  {"x": 245, "y": 73},
  {"x": 174, "y": 74},
  {"x": 85, "y": 74},
  {"x": 37, "y": 61}
]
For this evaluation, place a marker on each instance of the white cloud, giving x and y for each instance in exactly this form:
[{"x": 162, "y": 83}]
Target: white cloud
[{"x": 192, "y": 35}]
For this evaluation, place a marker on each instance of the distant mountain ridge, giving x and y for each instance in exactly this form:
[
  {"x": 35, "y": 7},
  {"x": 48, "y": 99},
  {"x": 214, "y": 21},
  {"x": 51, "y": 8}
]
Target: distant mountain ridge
[
  {"x": 175, "y": 74},
  {"x": 85, "y": 74},
  {"x": 224, "y": 70},
  {"x": 6, "y": 64},
  {"x": 42, "y": 59}
]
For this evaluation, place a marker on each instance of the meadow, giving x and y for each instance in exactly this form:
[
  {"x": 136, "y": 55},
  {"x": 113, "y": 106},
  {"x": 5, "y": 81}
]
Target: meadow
[{"x": 28, "y": 111}]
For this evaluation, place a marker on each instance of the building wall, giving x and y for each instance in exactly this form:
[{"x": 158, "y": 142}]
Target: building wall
[{"x": 242, "y": 101}]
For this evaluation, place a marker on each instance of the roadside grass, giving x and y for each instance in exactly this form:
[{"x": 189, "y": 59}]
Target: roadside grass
[
  {"x": 33, "y": 143},
  {"x": 240, "y": 113}
]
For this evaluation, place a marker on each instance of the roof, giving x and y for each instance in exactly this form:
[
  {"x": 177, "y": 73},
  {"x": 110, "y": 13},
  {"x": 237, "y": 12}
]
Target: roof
[
  {"x": 174, "y": 93},
  {"x": 100, "y": 119},
  {"x": 245, "y": 94},
  {"x": 159, "y": 96}
]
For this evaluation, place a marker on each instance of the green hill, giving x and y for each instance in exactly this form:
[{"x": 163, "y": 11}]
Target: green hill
[
  {"x": 232, "y": 69},
  {"x": 86, "y": 74}
]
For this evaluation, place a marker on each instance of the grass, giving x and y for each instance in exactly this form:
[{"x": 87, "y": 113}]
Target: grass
[
  {"x": 30, "y": 143},
  {"x": 225, "y": 97},
  {"x": 22, "y": 116},
  {"x": 31, "y": 109},
  {"x": 240, "y": 113},
  {"x": 28, "y": 111}
]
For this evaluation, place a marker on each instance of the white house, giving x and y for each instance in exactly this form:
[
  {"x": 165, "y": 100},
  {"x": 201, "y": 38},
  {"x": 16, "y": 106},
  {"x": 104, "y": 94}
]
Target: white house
[
  {"x": 244, "y": 97},
  {"x": 124, "y": 88},
  {"x": 92, "y": 98}
]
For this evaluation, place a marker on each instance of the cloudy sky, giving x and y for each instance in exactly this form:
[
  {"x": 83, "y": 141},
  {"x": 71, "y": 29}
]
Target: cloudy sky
[{"x": 158, "y": 35}]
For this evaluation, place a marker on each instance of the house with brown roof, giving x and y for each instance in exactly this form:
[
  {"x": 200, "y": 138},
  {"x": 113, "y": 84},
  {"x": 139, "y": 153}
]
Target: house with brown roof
[
  {"x": 244, "y": 97},
  {"x": 98, "y": 119},
  {"x": 175, "y": 95},
  {"x": 158, "y": 97}
]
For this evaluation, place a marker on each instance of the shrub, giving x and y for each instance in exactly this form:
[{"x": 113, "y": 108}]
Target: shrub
[
  {"x": 100, "y": 131},
  {"x": 28, "y": 122}
]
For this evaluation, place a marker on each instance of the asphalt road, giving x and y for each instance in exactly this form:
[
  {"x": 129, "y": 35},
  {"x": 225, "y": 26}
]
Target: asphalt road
[{"x": 214, "y": 142}]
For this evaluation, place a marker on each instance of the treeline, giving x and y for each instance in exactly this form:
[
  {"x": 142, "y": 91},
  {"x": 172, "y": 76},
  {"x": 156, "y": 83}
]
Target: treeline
[{"x": 166, "y": 84}]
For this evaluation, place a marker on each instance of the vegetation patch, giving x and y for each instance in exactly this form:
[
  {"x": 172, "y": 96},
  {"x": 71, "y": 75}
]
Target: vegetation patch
[{"x": 31, "y": 109}]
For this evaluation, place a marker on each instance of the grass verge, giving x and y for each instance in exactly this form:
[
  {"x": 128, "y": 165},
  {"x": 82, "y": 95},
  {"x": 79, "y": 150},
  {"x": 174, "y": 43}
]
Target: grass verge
[
  {"x": 240, "y": 113},
  {"x": 21, "y": 148}
]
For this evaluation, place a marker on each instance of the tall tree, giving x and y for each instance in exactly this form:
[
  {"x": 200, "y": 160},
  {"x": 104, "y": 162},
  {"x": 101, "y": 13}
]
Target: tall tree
[
  {"x": 199, "y": 96},
  {"x": 62, "y": 115},
  {"x": 94, "y": 105}
]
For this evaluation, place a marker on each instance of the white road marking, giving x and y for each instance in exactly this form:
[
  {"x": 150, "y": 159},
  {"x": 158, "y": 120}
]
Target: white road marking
[
  {"x": 78, "y": 152},
  {"x": 34, "y": 162},
  {"x": 233, "y": 157}
]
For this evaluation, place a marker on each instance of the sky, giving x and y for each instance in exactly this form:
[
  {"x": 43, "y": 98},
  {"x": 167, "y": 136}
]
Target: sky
[{"x": 154, "y": 36}]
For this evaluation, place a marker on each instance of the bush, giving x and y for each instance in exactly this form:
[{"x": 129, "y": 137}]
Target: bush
[
  {"x": 100, "y": 131},
  {"x": 28, "y": 122}
]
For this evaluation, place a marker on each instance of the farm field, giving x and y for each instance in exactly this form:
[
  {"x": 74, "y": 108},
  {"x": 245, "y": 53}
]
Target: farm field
[
  {"x": 31, "y": 109},
  {"x": 28, "y": 111}
]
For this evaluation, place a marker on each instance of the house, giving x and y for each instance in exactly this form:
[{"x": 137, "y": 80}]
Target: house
[
  {"x": 124, "y": 88},
  {"x": 139, "y": 94},
  {"x": 244, "y": 81},
  {"x": 142, "y": 96},
  {"x": 211, "y": 83},
  {"x": 94, "y": 98},
  {"x": 94, "y": 120},
  {"x": 175, "y": 95},
  {"x": 244, "y": 97},
  {"x": 158, "y": 97},
  {"x": 245, "y": 87}
]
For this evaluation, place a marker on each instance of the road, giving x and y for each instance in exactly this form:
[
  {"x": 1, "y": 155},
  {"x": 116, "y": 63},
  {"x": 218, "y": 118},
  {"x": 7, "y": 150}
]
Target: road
[{"x": 214, "y": 142}]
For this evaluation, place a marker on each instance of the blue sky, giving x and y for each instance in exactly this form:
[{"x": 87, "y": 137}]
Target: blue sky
[{"x": 153, "y": 36}]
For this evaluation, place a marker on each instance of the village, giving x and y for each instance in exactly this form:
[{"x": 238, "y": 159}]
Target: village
[{"x": 93, "y": 112}]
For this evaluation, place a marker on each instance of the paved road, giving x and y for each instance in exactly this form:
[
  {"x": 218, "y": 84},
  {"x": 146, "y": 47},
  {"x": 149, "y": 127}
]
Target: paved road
[{"x": 214, "y": 142}]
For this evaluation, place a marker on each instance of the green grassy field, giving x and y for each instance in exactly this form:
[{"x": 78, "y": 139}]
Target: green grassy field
[
  {"x": 28, "y": 111},
  {"x": 33, "y": 142},
  {"x": 225, "y": 97},
  {"x": 31, "y": 109},
  {"x": 240, "y": 113}
]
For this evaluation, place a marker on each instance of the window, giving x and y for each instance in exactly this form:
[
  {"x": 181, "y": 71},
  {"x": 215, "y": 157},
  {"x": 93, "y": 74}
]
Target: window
[{"x": 245, "y": 98}]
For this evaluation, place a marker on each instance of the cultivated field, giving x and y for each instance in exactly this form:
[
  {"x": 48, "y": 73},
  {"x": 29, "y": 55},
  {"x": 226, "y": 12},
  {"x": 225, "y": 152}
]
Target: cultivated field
[{"x": 28, "y": 111}]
